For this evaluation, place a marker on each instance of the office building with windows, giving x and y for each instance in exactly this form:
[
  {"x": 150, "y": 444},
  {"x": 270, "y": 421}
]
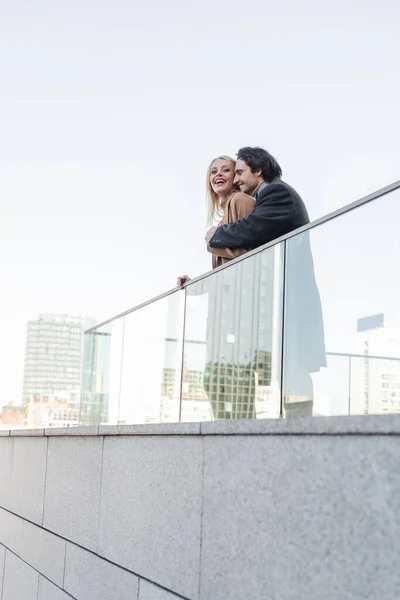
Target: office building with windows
[
  {"x": 376, "y": 371},
  {"x": 53, "y": 355}
]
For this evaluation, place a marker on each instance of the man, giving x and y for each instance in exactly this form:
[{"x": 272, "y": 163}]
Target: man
[{"x": 279, "y": 210}]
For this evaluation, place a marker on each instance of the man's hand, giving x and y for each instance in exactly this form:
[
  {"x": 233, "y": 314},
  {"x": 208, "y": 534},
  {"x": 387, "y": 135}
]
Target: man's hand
[
  {"x": 181, "y": 280},
  {"x": 210, "y": 233}
]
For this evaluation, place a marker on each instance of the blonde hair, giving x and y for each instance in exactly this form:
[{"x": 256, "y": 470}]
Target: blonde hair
[{"x": 213, "y": 202}]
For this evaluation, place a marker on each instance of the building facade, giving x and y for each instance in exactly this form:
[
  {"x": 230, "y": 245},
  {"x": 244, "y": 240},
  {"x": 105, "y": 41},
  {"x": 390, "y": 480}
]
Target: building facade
[
  {"x": 53, "y": 356},
  {"x": 375, "y": 378}
]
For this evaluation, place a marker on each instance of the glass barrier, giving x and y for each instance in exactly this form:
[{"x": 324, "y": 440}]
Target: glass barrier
[
  {"x": 342, "y": 302},
  {"x": 132, "y": 366},
  {"x": 101, "y": 374},
  {"x": 152, "y": 362},
  {"x": 310, "y": 326},
  {"x": 331, "y": 386},
  {"x": 232, "y": 341},
  {"x": 357, "y": 385}
]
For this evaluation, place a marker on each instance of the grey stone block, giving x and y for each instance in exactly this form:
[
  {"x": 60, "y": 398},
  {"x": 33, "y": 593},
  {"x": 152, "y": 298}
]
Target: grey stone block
[
  {"x": 346, "y": 425},
  {"x": 87, "y": 576},
  {"x": 149, "y": 591},
  {"x": 44, "y": 551},
  {"x": 72, "y": 431},
  {"x": 243, "y": 427},
  {"x": 73, "y": 488},
  {"x": 301, "y": 518},
  {"x": 6, "y": 457},
  {"x": 151, "y": 429},
  {"x": 2, "y": 561},
  {"x": 11, "y": 531},
  {"x": 20, "y": 581},
  {"x": 27, "y": 432},
  {"x": 151, "y": 507},
  {"x": 4, "y": 432},
  {"x": 40, "y": 549},
  {"x": 49, "y": 591},
  {"x": 28, "y": 478}
]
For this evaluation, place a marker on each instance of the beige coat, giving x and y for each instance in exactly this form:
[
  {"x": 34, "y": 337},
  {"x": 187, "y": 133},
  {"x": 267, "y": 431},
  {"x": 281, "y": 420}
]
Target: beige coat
[{"x": 238, "y": 206}]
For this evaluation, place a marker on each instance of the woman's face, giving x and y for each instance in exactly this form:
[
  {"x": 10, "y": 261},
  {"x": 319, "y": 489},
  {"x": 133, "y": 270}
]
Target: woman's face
[{"x": 222, "y": 176}]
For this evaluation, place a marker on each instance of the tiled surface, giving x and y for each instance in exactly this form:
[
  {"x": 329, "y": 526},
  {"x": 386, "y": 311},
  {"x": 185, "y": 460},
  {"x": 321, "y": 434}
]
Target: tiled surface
[
  {"x": 152, "y": 429},
  {"x": 28, "y": 477},
  {"x": 11, "y": 531},
  {"x": 301, "y": 518},
  {"x": 6, "y": 458},
  {"x": 48, "y": 591},
  {"x": 42, "y": 550},
  {"x": 73, "y": 488},
  {"x": 343, "y": 425},
  {"x": 27, "y": 432},
  {"x": 151, "y": 506},
  {"x": 72, "y": 431},
  {"x": 363, "y": 425},
  {"x": 2, "y": 560},
  {"x": 285, "y": 517},
  {"x": 149, "y": 591},
  {"x": 20, "y": 581},
  {"x": 88, "y": 577}
]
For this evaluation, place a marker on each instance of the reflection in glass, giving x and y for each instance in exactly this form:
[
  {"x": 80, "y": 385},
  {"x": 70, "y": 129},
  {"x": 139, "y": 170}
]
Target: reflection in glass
[
  {"x": 232, "y": 341},
  {"x": 354, "y": 384},
  {"x": 95, "y": 389},
  {"x": 152, "y": 362},
  {"x": 332, "y": 391},
  {"x": 304, "y": 347},
  {"x": 356, "y": 263}
]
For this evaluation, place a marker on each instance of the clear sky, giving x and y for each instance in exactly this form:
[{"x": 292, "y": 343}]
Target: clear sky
[{"x": 111, "y": 111}]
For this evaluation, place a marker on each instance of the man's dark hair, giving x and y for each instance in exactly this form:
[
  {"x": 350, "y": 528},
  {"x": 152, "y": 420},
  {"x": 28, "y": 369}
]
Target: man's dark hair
[{"x": 259, "y": 159}]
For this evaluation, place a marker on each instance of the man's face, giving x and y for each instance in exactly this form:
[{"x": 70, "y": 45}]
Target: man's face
[{"x": 246, "y": 180}]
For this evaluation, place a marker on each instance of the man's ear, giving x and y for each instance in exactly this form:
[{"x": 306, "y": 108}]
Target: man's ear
[{"x": 259, "y": 173}]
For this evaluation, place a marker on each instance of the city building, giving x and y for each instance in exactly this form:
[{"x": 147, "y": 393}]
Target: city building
[
  {"x": 12, "y": 416},
  {"x": 375, "y": 370},
  {"x": 53, "y": 356}
]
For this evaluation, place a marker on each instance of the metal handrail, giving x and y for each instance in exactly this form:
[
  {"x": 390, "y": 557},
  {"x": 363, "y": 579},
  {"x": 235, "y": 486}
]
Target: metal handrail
[
  {"x": 322, "y": 220},
  {"x": 372, "y": 356}
]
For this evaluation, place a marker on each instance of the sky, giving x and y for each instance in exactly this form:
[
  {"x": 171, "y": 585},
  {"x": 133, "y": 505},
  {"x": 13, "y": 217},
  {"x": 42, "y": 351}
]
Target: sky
[{"x": 111, "y": 111}]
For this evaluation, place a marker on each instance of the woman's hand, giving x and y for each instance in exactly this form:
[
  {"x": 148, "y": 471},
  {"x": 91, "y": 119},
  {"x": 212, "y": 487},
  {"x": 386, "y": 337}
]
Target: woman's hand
[
  {"x": 210, "y": 233},
  {"x": 181, "y": 280}
]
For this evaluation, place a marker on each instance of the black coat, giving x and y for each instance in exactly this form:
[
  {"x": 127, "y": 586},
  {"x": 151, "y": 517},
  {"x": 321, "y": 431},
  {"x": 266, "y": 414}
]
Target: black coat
[{"x": 277, "y": 211}]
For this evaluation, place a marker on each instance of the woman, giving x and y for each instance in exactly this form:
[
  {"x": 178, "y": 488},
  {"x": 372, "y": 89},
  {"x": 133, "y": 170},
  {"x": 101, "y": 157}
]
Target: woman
[
  {"x": 225, "y": 205},
  {"x": 228, "y": 398}
]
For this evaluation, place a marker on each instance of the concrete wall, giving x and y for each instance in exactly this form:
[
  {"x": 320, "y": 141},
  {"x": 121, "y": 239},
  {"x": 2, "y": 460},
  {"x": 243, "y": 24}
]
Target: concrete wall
[{"x": 301, "y": 509}]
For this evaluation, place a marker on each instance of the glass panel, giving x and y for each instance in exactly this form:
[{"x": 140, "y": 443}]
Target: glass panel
[
  {"x": 356, "y": 283},
  {"x": 152, "y": 362},
  {"x": 232, "y": 343},
  {"x": 101, "y": 374},
  {"x": 331, "y": 388}
]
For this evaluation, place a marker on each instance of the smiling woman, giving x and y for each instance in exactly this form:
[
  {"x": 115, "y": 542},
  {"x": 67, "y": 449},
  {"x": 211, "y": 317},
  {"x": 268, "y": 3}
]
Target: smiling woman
[
  {"x": 226, "y": 204},
  {"x": 219, "y": 185}
]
